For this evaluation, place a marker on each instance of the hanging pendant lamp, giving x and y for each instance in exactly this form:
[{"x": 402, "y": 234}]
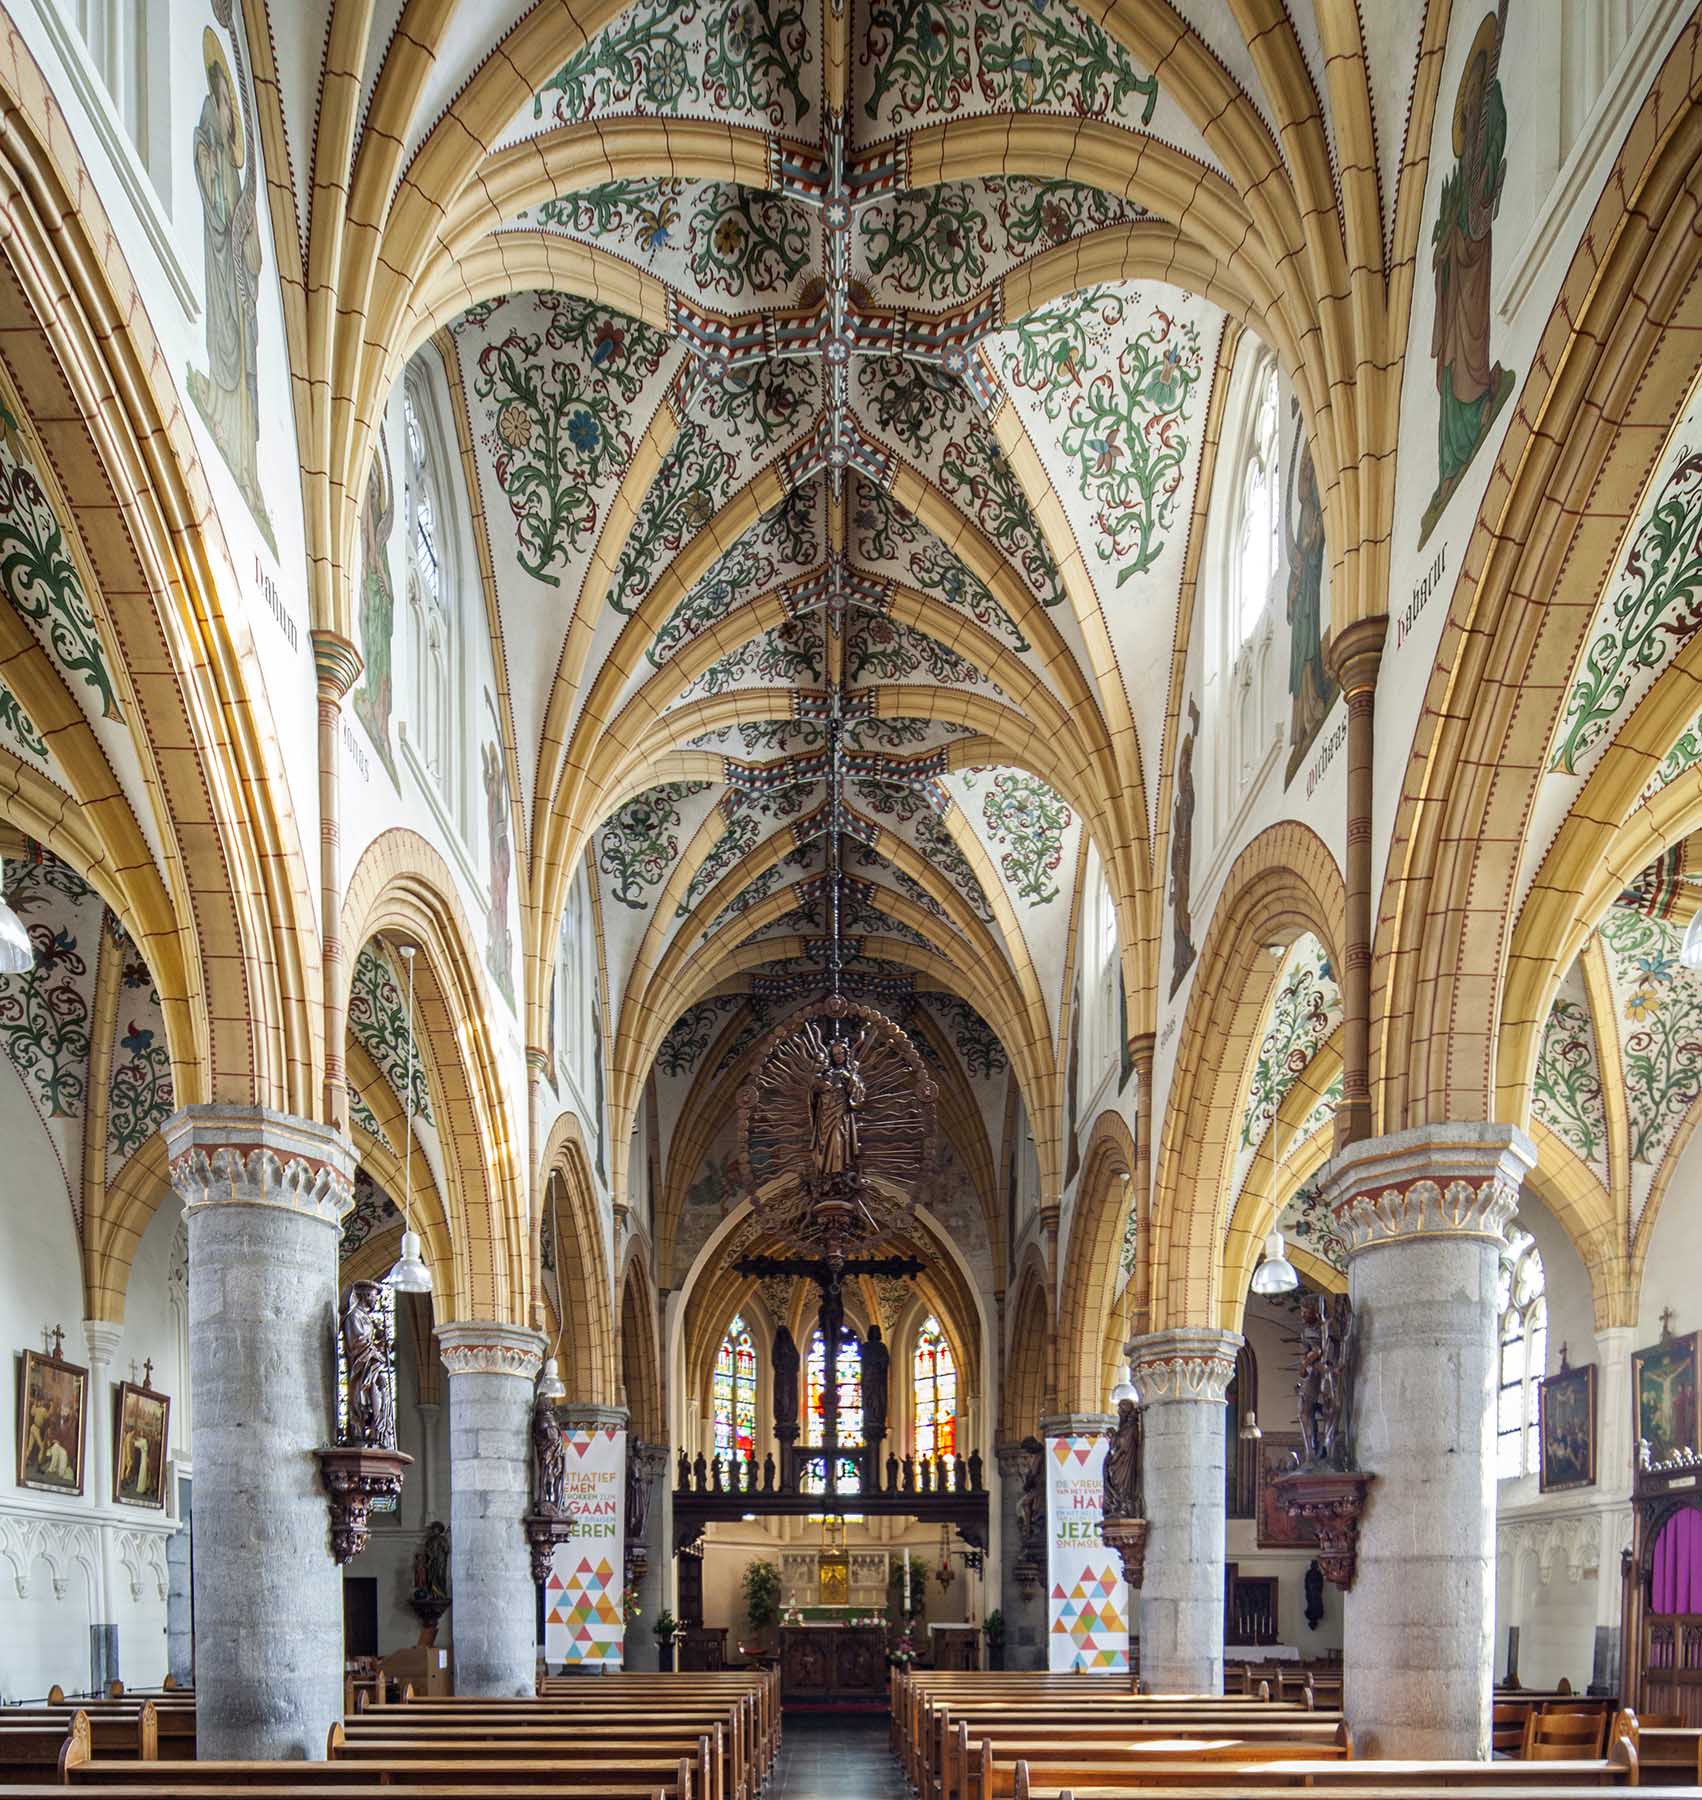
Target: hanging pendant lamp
[{"x": 410, "y": 1275}]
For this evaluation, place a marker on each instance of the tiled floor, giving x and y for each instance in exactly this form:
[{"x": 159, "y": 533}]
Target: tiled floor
[{"x": 824, "y": 1756}]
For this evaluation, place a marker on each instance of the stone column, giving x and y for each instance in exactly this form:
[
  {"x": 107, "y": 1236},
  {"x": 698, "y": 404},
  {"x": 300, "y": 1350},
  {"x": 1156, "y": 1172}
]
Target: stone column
[
  {"x": 656, "y": 1471},
  {"x": 1023, "y": 1602},
  {"x": 1614, "y": 1462},
  {"x": 1182, "y": 1378},
  {"x": 265, "y": 1195},
  {"x": 101, "y": 1337},
  {"x": 492, "y": 1370},
  {"x": 1423, "y": 1215}
]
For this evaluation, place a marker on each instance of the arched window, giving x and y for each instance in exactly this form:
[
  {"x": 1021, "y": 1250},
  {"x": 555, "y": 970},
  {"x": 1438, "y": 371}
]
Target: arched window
[
  {"x": 433, "y": 627},
  {"x": 1524, "y": 1354},
  {"x": 1256, "y": 549},
  {"x": 934, "y": 1387},
  {"x": 849, "y": 1368},
  {"x": 735, "y": 1394}
]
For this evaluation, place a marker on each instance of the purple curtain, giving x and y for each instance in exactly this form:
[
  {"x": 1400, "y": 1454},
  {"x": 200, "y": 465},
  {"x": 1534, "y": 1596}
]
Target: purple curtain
[{"x": 1678, "y": 1564}]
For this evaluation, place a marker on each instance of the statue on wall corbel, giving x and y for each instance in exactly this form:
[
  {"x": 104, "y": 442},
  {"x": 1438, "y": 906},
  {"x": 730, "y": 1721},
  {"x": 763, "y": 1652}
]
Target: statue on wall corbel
[
  {"x": 364, "y": 1465},
  {"x": 546, "y": 1524},
  {"x": 1324, "y": 1488},
  {"x": 1123, "y": 1523},
  {"x": 1030, "y": 1569}
]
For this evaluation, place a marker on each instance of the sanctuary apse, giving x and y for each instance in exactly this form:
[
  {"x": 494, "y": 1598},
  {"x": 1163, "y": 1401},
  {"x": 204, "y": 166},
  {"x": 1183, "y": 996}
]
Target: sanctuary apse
[{"x": 846, "y": 838}]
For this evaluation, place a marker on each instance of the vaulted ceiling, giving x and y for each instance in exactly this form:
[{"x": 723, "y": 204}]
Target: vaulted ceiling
[{"x": 831, "y": 383}]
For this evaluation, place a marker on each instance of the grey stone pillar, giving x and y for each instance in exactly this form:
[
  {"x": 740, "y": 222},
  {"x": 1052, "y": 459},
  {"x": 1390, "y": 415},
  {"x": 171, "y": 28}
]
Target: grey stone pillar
[
  {"x": 655, "y": 1470},
  {"x": 492, "y": 1372},
  {"x": 102, "y": 1338},
  {"x": 1022, "y": 1594},
  {"x": 1423, "y": 1215},
  {"x": 1182, "y": 1378},
  {"x": 265, "y": 1195}
]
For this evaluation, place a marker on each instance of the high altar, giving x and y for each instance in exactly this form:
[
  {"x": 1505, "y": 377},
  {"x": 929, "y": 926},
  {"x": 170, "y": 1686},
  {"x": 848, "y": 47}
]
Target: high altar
[{"x": 824, "y": 1649}]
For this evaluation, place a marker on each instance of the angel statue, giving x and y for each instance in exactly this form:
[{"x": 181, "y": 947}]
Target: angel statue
[
  {"x": 549, "y": 1462},
  {"x": 366, "y": 1360},
  {"x": 837, "y": 1093}
]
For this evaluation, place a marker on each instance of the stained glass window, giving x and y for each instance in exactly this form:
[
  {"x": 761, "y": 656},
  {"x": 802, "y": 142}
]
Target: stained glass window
[
  {"x": 1524, "y": 1354},
  {"x": 850, "y": 1372},
  {"x": 934, "y": 1385},
  {"x": 735, "y": 1394}
]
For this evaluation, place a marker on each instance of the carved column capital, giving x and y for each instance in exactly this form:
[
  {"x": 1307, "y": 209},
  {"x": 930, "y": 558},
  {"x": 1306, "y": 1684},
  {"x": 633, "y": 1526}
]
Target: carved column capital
[
  {"x": 1012, "y": 1459},
  {"x": 1356, "y": 654},
  {"x": 102, "y": 1338},
  {"x": 251, "y": 1156},
  {"x": 476, "y": 1347},
  {"x": 1453, "y": 1181},
  {"x": 578, "y": 1415},
  {"x": 337, "y": 664},
  {"x": 1082, "y": 1424},
  {"x": 1188, "y": 1363}
]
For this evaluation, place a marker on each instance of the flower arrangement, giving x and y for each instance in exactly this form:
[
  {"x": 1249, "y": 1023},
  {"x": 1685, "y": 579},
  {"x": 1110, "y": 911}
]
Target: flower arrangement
[{"x": 630, "y": 1609}]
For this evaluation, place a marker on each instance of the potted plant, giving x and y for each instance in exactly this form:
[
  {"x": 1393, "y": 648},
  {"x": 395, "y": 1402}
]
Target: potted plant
[
  {"x": 993, "y": 1630},
  {"x": 761, "y": 1590},
  {"x": 663, "y": 1631}
]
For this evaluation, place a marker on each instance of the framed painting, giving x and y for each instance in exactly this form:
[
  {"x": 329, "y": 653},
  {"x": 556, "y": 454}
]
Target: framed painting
[
  {"x": 1664, "y": 1388},
  {"x": 52, "y": 1404},
  {"x": 138, "y": 1460},
  {"x": 1277, "y": 1531},
  {"x": 1566, "y": 1429}
]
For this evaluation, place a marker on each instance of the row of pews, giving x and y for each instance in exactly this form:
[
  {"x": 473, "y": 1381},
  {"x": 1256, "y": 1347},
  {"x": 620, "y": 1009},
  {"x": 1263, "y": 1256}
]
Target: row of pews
[
  {"x": 969, "y": 1736},
  {"x": 618, "y": 1737}
]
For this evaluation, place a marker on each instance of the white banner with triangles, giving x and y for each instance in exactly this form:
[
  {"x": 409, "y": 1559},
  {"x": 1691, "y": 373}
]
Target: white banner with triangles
[
  {"x": 1087, "y": 1610},
  {"x": 584, "y": 1599}
]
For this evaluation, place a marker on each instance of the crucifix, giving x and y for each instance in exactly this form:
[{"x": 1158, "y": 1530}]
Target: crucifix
[
  {"x": 1666, "y": 1323},
  {"x": 148, "y": 1372},
  {"x": 57, "y": 1333}
]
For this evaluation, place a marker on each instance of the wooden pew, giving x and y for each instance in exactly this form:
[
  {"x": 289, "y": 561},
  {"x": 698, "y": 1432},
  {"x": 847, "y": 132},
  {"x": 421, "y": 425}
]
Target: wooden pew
[
  {"x": 1671, "y": 1752},
  {"x": 987, "y": 1769},
  {"x": 763, "y": 1685},
  {"x": 496, "y": 1747},
  {"x": 126, "y": 1734},
  {"x": 629, "y": 1778},
  {"x": 172, "y": 1728},
  {"x": 36, "y": 1743},
  {"x": 1120, "y": 1718},
  {"x": 748, "y": 1753},
  {"x": 732, "y": 1772}
]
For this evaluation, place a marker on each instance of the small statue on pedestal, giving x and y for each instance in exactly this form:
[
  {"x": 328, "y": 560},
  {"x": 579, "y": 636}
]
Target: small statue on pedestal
[
  {"x": 1031, "y": 1508},
  {"x": 1122, "y": 1474},
  {"x": 786, "y": 1361},
  {"x": 366, "y": 1362},
  {"x": 1327, "y": 1343},
  {"x": 877, "y": 1360},
  {"x": 549, "y": 1462}
]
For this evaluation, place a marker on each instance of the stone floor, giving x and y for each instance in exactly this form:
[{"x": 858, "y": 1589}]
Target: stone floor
[{"x": 826, "y": 1756}]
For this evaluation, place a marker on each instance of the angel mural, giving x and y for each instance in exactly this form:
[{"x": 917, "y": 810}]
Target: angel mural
[
  {"x": 1471, "y": 388},
  {"x": 1312, "y": 689},
  {"x": 227, "y": 171},
  {"x": 374, "y": 697}
]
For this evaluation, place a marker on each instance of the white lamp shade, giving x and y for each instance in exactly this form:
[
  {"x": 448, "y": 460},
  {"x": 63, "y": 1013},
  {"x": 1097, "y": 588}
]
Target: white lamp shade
[
  {"x": 1125, "y": 1389},
  {"x": 550, "y": 1384},
  {"x": 17, "y": 953},
  {"x": 1690, "y": 951},
  {"x": 1276, "y": 1274},
  {"x": 410, "y": 1275}
]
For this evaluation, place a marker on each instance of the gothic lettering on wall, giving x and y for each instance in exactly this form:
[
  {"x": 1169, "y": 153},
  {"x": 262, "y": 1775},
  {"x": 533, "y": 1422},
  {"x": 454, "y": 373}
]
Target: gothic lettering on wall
[
  {"x": 1471, "y": 387},
  {"x": 1182, "y": 856},
  {"x": 499, "y": 940},
  {"x": 1312, "y": 689},
  {"x": 374, "y": 696},
  {"x": 227, "y": 171}
]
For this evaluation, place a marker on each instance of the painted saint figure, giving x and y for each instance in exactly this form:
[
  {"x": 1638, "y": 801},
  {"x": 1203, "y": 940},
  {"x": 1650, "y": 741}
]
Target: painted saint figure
[
  {"x": 1182, "y": 856},
  {"x": 835, "y": 1098},
  {"x": 1471, "y": 387},
  {"x": 1312, "y": 689},
  {"x": 374, "y": 697},
  {"x": 227, "y": 173}
]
